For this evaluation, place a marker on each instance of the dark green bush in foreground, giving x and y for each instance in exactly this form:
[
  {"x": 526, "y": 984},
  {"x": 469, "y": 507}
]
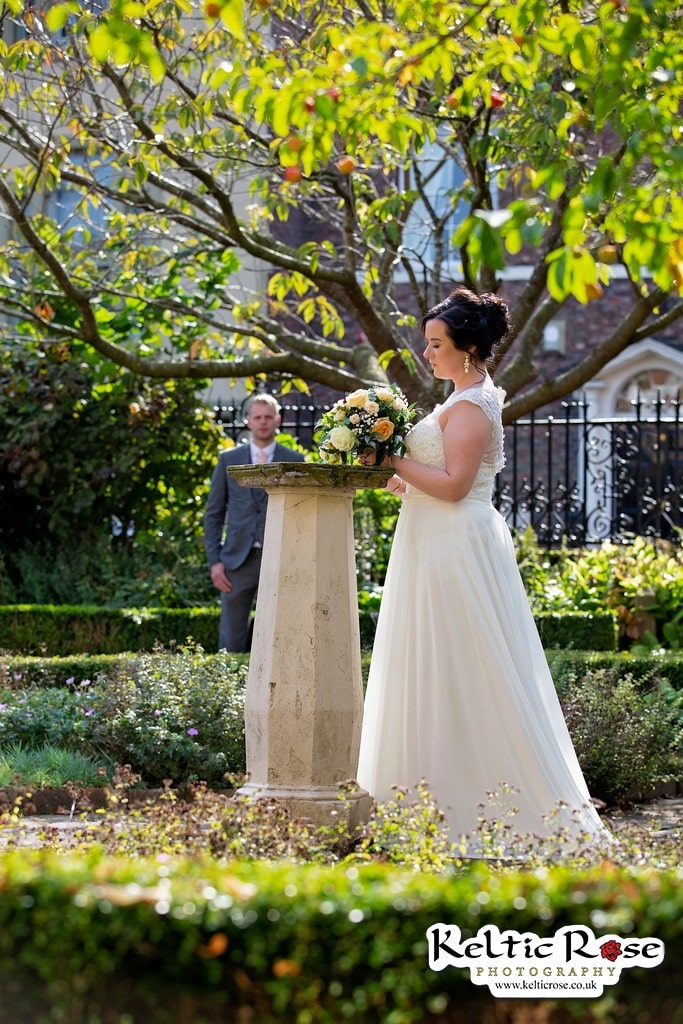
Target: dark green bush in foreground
[{"x": 174, "y": 940}]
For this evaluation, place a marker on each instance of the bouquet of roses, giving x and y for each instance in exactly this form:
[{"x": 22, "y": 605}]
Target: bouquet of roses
[{"x": 376, "y": 419}]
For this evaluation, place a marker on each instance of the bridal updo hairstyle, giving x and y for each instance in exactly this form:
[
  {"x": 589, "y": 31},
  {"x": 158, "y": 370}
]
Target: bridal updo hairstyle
[{"x": 472, "y": 321}]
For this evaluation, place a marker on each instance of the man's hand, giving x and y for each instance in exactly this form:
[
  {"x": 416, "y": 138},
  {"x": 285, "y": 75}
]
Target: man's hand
[{"x": 219, "y": 579}]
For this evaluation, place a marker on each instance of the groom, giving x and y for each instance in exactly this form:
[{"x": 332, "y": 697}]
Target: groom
[{"x": 234, "y": 522}]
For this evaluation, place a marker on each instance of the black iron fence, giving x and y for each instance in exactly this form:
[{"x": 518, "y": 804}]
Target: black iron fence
[
  {"x": 572, "y": 478},
  {"x": 589, "y": 479}
]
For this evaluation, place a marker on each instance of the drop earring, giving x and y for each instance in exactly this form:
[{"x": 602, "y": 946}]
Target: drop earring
[{"x": 466, "y": 364}]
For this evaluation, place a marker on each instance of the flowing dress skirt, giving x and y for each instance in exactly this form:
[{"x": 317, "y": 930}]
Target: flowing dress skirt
[{"x": 459, "y": 692}]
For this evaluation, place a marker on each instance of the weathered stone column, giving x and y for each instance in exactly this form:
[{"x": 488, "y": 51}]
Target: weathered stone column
[{"x": 304, "y": 701}]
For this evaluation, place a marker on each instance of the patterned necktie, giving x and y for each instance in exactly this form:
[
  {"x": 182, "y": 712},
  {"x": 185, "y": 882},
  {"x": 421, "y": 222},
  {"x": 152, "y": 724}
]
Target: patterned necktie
[{"x": 261, "y": 456}]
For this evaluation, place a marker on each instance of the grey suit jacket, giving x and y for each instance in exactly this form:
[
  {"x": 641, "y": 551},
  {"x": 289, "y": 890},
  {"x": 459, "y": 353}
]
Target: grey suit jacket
[{"x": 235, "y": 516}]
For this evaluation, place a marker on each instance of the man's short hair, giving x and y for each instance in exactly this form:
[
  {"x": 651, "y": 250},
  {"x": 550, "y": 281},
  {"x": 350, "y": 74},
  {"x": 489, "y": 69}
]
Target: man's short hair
[{"x": 264, "y": 399}]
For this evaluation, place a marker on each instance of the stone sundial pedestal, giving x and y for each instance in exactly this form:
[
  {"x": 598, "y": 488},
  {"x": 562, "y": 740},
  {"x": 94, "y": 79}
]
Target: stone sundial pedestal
[{"x": 304, "y": 700}]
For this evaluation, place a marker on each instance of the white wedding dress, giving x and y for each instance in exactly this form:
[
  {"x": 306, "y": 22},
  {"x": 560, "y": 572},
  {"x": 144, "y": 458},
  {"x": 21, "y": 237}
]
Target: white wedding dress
[{"x": 459, "y": 692}]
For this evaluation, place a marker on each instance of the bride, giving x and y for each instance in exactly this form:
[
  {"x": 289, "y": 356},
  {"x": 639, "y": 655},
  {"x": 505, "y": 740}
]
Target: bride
[{"x": 459, "y": 692}]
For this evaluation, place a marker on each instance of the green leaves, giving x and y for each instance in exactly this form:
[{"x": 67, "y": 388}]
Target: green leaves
[
  {"x": 232, "y": 16},
  {"x": 407, "y": 139},
  {"x": 118, "y": 37},
  {"x": 58, "y": 15},
  {"x": 574, "y": 271},
  {"x": 480, "y": 236}
]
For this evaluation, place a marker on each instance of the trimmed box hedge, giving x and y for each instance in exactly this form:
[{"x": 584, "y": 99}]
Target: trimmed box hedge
[
  {"x": 579, "y": 631},
  {"x": 27, "y": 670},
  {"x": 63, "y": 630},
  {"x": 19, "y": 670},
  {"x": 665, "y": 664},
  {"x": 173, "y": 940},
  {"x": 70, "y": 629}
]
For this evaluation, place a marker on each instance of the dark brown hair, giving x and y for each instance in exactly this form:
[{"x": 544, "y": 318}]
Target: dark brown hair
[{"x": 472, "y": 321}]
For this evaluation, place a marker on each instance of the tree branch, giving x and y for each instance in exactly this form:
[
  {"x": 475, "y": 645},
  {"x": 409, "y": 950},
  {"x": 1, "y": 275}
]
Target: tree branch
[{"x": 581, "y": 373}]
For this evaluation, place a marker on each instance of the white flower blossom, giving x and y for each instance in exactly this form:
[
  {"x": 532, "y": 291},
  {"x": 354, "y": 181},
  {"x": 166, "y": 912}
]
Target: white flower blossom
[{"x": 342, "y": 439}]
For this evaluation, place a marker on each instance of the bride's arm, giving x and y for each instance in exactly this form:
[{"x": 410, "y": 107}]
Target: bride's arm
[{"x": 465, "y": 437}]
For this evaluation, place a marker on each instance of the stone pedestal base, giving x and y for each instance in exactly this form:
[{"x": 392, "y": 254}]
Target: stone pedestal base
[
  {"x": 304, "y": 702},
  {"x": 322, "y": 807}
]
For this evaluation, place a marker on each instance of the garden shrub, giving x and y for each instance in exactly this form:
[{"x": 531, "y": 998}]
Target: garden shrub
[
  {"x": 375, "y": 512},
  {"x": 641, "y": 583},
  {"x": 171, "y": 714},
  {"x": 34, "y": 716},
  {"x": 569, "y": 629},
  {"x": 624, "y": 739},
  {"x": 139, "y": 920},
  {"x": 666, "y": 665},
  {"x": 106, "y": 697},
  {"x": 115, "y": 573},
  {"x": 583, "y": 631},
  {"x": 174, "y": 716},
  {"x": 19, "y": 671},
  {"x": 96, "y": 466}
]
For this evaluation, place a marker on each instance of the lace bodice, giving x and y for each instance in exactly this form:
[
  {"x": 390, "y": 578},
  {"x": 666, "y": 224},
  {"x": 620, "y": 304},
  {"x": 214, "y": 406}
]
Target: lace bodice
[{"x": 425, "y": 440}]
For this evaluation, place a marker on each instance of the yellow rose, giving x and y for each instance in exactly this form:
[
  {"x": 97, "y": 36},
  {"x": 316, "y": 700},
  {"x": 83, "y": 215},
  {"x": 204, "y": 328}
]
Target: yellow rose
[
  {"x": 384, "y": 428},
  {"x": 357, "y": 399}
]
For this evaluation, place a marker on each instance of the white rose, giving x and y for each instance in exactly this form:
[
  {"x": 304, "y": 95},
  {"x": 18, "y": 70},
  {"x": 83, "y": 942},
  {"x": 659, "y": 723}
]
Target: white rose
[
  {"x": 342, "y": 439},
  {"x": 372, "y": 408}
]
